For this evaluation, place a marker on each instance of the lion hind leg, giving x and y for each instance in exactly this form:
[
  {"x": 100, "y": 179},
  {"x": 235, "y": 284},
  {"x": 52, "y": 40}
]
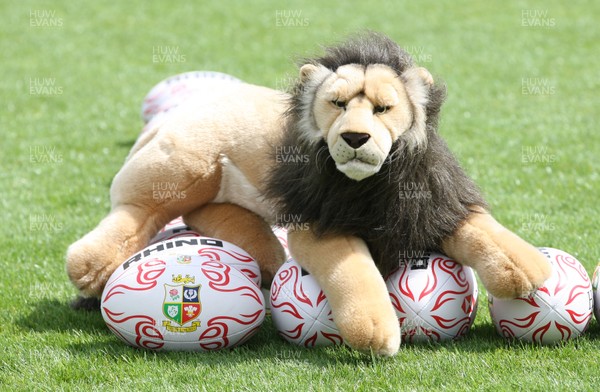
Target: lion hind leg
[
  {"x": 508, "y": 266},
  {"x": 235, "y": 224},
  {"x": 158, "y": 182},
  {"x": 93, "y": 258}
]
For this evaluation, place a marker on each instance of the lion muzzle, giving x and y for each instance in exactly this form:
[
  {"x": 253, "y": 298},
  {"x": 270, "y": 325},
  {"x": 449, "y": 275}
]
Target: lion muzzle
[{"x": 357, "y": 155}]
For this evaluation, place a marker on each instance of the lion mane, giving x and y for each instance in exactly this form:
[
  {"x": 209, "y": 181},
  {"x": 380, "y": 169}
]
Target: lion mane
[{"x": 420, "y": 195}]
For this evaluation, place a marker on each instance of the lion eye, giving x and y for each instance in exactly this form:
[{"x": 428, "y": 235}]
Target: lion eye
[
  {"x": 381, "y": 109},
  {"x": 339, "y": 104}
]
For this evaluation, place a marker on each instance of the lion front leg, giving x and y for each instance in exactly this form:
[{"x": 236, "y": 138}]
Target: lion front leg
[
  {"x": 508, "y": 266},
  {"x": 356, "y": 291}
]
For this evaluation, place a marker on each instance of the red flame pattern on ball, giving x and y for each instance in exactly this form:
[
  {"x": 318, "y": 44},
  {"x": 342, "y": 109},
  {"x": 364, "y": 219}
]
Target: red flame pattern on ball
[
  {"x": 559, "y": 310},
  {"x": 436, "y": 301},
  {"x": 218, "y": 331},
  {"x": 146, "y": 332},
  {"x": 148, "y": 272},
  {"x": 300, "y": 309},
  {"x": 218, "y": 275},
  {"x": 282, "y": 280},
  {"x": 214, "y": 254}
]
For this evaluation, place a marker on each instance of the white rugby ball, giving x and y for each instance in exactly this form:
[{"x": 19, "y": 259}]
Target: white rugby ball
[
  {"x": 559, "y": 310},
  {"x": 435, "y": 298},
  {"x": 174, "y": 229},
  {"x": 596, "y": 289},
  {"x": 209, "y": 249},
  {"x": 299, "y": 309},
  {"x": 177, "y": 89},
  {"x": 181, "y": 302}
]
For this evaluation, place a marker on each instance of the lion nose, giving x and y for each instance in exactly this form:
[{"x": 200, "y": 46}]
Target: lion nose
[{"x": 355, "y": 139}]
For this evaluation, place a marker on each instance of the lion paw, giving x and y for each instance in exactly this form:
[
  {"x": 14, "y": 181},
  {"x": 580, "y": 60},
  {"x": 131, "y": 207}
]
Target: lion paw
[
  {"x": 370, "y": 328},
  {"x": 89, "y": 267},
  {"x": 517, "y": 274}
]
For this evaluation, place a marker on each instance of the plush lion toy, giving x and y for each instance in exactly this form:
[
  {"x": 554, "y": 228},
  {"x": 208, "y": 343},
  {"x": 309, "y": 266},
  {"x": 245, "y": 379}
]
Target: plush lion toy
[{"x": 363, "y": 122}]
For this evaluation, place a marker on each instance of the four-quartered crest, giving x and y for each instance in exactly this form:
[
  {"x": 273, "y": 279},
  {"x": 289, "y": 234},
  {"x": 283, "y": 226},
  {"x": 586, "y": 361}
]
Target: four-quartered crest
[{"x": 182, "y": 303}]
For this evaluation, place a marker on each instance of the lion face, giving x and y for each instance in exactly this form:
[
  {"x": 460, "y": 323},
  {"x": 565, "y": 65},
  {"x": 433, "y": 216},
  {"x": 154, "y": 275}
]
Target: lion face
[{"x": 361, "y": 111}]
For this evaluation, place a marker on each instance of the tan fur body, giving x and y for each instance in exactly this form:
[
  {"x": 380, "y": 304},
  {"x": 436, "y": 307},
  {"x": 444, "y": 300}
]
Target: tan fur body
[
  {"x": 240, "y": 127},
  {"x": 220, "y": 150}
]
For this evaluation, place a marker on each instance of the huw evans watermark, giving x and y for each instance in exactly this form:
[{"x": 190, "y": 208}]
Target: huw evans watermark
[
  {"x": 419, "y": 54},
  {"x": 45, "y": 155},
  {"x": 291, "y": 222},
  {"x": 537, "y": 223},
  {"x": 537, "y": 154},
  {"x": 290, "y": 155},
  {"x": 413, "y": 190},
  {"x": 46, "y": 290},
  {"x": 167, "y": 54},
  {"x": 44, "y": 18},
  {"x": 164, "y": 190},
  {"x": 288, "y": 355},
  {"x": 286, "y": 84},
  {"x": 537, "y": 18},
  {"x": 44, "y": 222},
  {"x": 537, "y": 86},
  {"x": 44, "y": 87},
  {"x": 290, "y": 18},
  {"x": 414, "y": 259}
]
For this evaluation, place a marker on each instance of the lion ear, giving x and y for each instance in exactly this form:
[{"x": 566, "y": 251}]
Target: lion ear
[
  {"x": 306, "y": 71},
  {"x": 418, "y": 81},
  {"x": 425, "y": 76}
]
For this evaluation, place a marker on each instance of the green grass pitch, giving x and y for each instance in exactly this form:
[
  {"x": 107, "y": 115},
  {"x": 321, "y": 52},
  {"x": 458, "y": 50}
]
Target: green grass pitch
[{"x": 521, "y": 115}]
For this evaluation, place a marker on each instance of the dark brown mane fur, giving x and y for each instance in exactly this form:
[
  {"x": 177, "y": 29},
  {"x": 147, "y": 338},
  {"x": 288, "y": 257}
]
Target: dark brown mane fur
[{"x": 417, "y": 198}]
